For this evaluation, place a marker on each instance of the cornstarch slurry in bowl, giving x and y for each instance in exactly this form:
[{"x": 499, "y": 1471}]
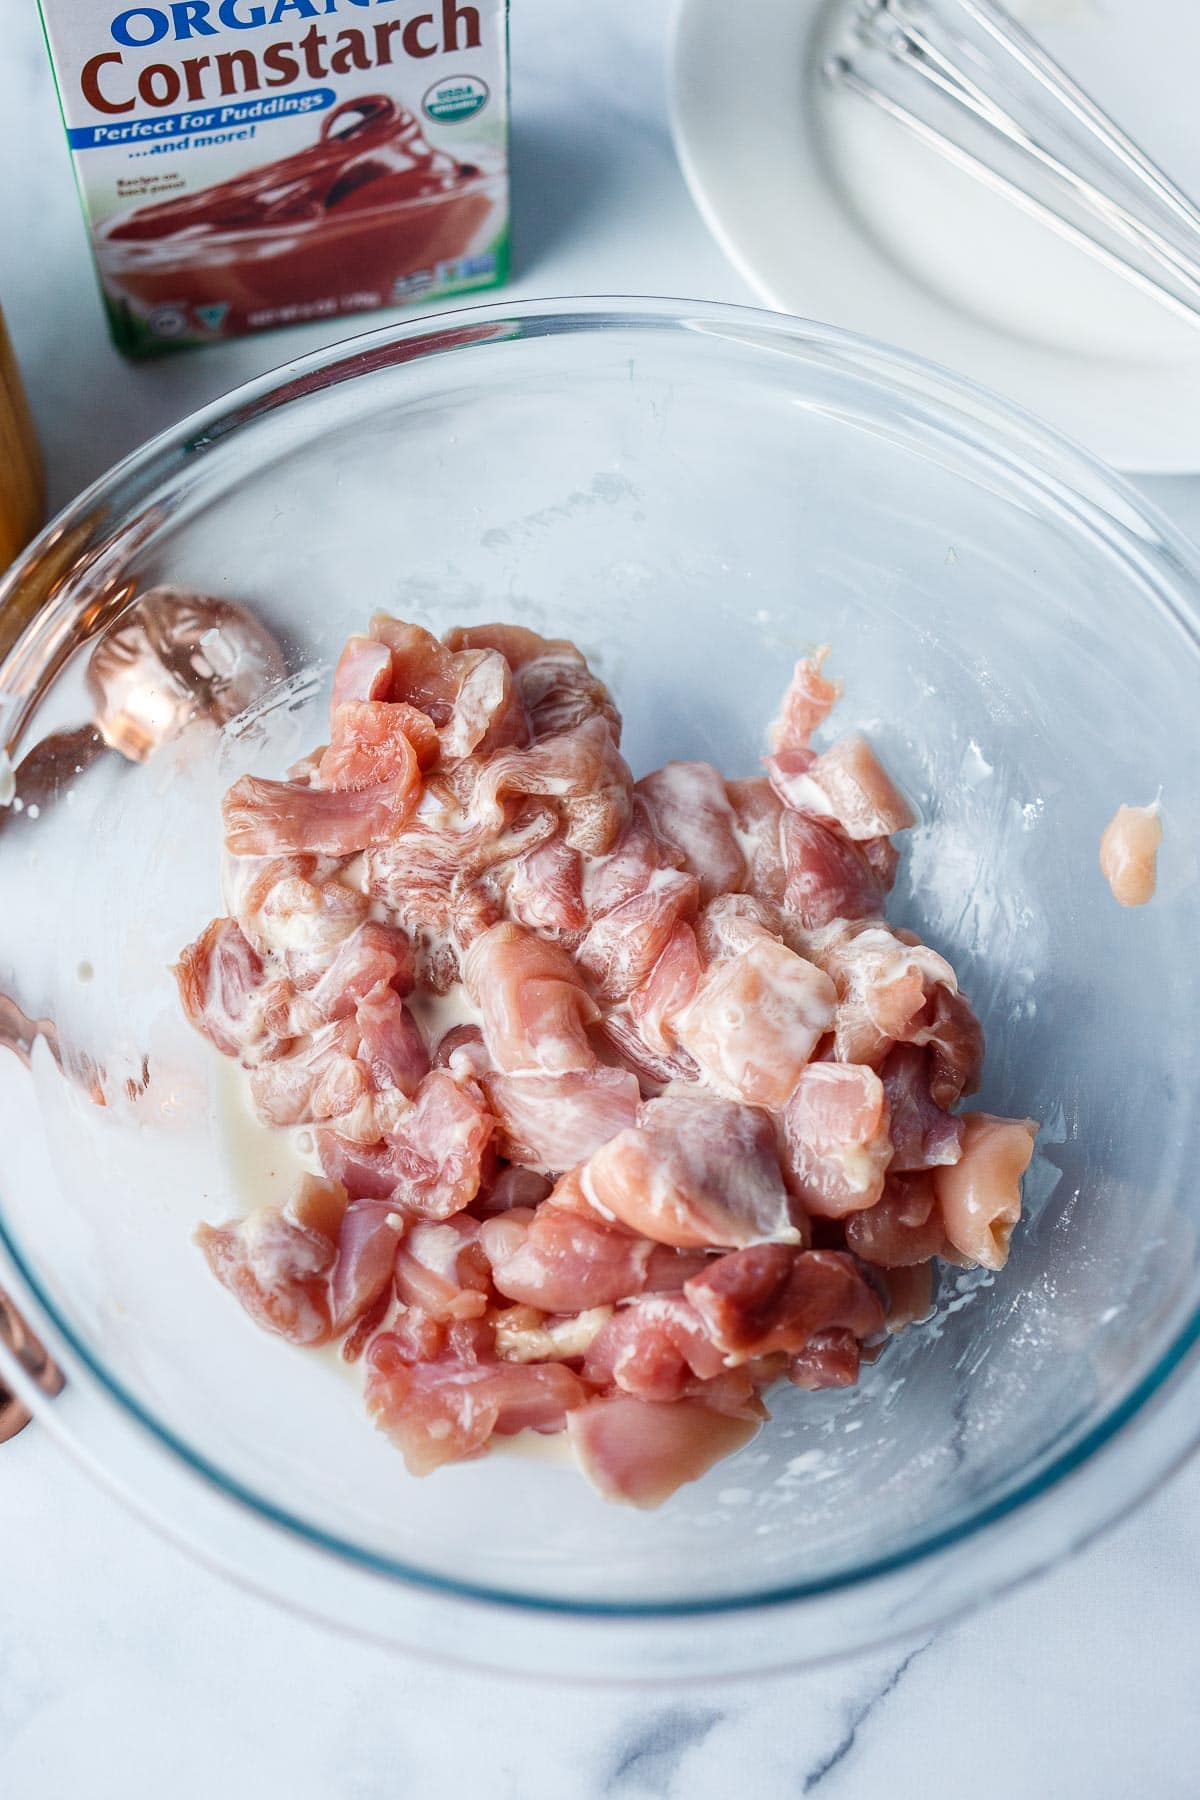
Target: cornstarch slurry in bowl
[{"x": 244, "y": 165}]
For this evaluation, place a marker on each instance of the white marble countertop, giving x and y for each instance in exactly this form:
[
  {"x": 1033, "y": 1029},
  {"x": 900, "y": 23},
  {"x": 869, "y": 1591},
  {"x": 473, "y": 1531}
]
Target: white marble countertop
[{"x": 125, "y": 1669}]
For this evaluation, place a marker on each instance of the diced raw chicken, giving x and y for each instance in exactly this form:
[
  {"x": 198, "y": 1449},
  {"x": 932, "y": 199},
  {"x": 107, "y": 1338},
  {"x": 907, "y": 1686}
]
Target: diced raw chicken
[
  {"x": 375, "y": 956},
  {"x": 758, "y": 811},
  {"x": 430, "y": 1161},
  {"x": 695, "y": 1172},
  {"x": 835, "y": 1127},
  {"x": 562, "y": 1261},
  {"x": 523, "y": 1334},
  {"x": 368, "y": 1238},
  {"x": 641, "y": 1451},
  {"x": 363, "y": 672},
  {"x": 424, "y": 672},
  {"x": 445, "y": 1412},
  {"x": 809, "y": 700},
  {"x": 535, "y": 1008},
  {"x": 980, "y": 1195},
  {"x": 620, "y": 950},
  {"x": 442, "y": 1268},
  {"x": 553, "y": 1122},
  {"x": 545, "y": 892},
  {"x": 827, "y": 876},
  {"x": 324, "y": 1080},
  {"x": 553, "y": 679},
  {"x": 883, "y": 985},
  {"x": 463, "y": 1051},
  {"x": 756, "y": 1021},
  {"x": 846, "y": 784},
  {"x": 829, "y": 1360},
  {"x": 657, "y": 1002},
  {"x": 904, "y": 1228},
  {"x": 955, "y": 1039},
  {"x": 656, "y": 1348},
  {"x": 513, "y": 1188},
  {"x": 277, "y": 1261},
  {"x": 269, "y": 818},
  {"x": 619, "y": 1036},
  {"x": 769, "y": 1298},
  {"x": 580, "y": 769},
  {"x": 391, "y": 1047},
  {"x": 1129, "y": 853},
  {"x": 690, "y": 810},
  {"x": 438, "y": 1147},
  {"x": 376, "y": 741},
  {"x": 294, "y": 906},
  {"x": 922, "y": 1134},
  {"x": 220, "y": 980}
]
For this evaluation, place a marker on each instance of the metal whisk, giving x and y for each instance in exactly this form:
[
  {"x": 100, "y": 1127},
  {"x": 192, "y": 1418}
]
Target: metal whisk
[{"x": 966, "y": 79}]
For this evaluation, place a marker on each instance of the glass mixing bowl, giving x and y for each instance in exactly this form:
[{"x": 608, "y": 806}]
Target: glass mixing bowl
[{"x": 695, "y": 493}]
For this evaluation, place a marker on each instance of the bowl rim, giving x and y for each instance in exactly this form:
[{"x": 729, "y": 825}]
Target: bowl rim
[{"x": 999, "y": 428}]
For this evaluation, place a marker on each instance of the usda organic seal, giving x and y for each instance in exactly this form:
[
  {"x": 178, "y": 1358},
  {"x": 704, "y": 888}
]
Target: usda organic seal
[{"x": 454, "y": 98}]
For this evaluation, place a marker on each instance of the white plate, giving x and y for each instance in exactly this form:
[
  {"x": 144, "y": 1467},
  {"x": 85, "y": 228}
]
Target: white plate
[{"x": 835, "y": 213}]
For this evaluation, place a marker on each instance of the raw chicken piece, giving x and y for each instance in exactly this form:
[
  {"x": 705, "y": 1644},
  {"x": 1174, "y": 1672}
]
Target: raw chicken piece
[
  {"x": 431, "y": 1159},
  {"x": 695, "y": 1172},
  {"x": 690, "y": 810},
  {"x": 438, "y": 1147},
  {"x": 513, "y": 1188},
  {"x": 535, "y": 1008},
  {"x": 835, "y": 1127},
  {"x": 468, "y": 696},
  {"x": 827, "y": 876},
  {"x": 845, "y": 784},
  {"x": 363, "y": 672},
  {"x": 424, "y": 672},
  {"x": 376, "y": 741},
  {"x": 656, "y": 1348},
  {"x": 445, "y": 1412},
  {"x": 391, "y": 1047},
  {"x": 809, "y": 700},
  {"x": 220, "y": 981},
  {"x": 955, "y": 1039},
  {"x": 903, "y": 1229},
  {"x": 442, "y": 1268},
  {"x": 563, "y": 1261},
  {"x": 883, "y": 986},
  {"x": 545, "y": 892},
  {"x": 768, "y": 1298},
  {"x": 376, "y": 955},
  {"x": 626, "y": 868},
  {"x": 620, "y": 950},
  {"x": 368, "y": 1238},
  {"x": 553, "y": 1122},
  {"x": 657, "y": 1002},
  {"x": 756, "y": 1021},
  {"x": 463, "y": 1051},
  {"x": 922, "y": 1134},
  {"x": 553, "y": 679},
  {"x": 641, "y": 1451},
  {"x": 580, "y": 769},
  {"x": 277, "y": 1261},
  {"x": 758, "y": 811},
  {"x": 980, "y": 1195},
  {"x": 523, "y": 1334},
  {"x": 829, "y": 1360},
  {"x": 267, "y": 818},
  {"x": 1129, "y": 853},
  {"x": 323, "y": 1080},
  {"x": 620, "y": 1037},
  {"x": 294, "y": 906}
]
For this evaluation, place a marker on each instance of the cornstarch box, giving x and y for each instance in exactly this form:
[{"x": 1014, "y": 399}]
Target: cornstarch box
[{"x": 251, "y": 163}]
